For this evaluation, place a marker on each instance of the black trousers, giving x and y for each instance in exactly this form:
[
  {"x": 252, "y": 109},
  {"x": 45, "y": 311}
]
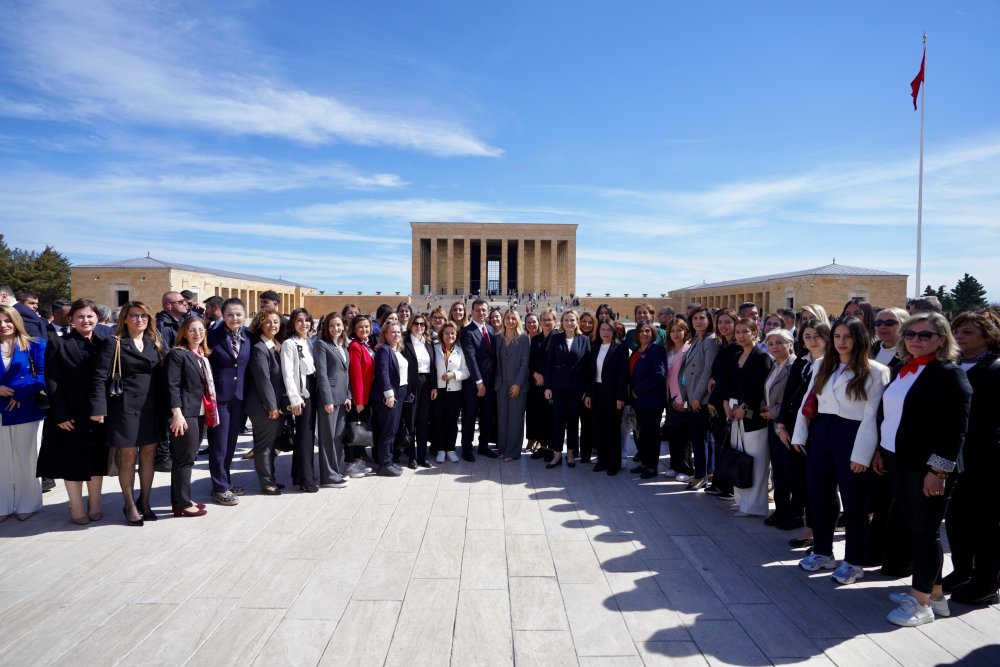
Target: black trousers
[
  {"x": 538, "y": 415},
  {"x": 719, "y": 430},
  {"x": 607, "y": 433},
  {"x": 788, "y": 500},
  {"x": 416, "y": 418},
  {"x": 698, "y": 437},
  {"x": 888, "y": 542},
  {"x": 973, "y": 525},
  {"x": 922, "y": 516},
  {"x": 586, "y": 432},
  {"x": 647, "y": 421},
  {"x": 265, "y": 434},
  {"x": 565, "y": 420},
  {"x": 303, "y": 463},
  {"x": 677, "y": 430},
  {"x": 384, "y": 426},
  {"x": 445, "y": 410},
  {"x": 477, "y": 407},
  {"x": 184, "y": 451}
]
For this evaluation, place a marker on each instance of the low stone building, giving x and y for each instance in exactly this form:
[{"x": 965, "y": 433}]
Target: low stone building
[
  {"x": 146, "y": 279},
  {"x": 830, "y": 286}
]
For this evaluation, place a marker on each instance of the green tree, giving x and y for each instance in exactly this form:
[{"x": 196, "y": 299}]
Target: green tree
[
  {"x": 47, "y": 273},
  {"x": 968, "y": 294}
]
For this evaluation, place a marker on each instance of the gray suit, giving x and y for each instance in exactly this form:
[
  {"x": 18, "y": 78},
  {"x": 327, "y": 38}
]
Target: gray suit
[
  {"x": 511, "y": 369},
  {"x": 697, "y": 369},
  {"x": 332, "y": 387}
]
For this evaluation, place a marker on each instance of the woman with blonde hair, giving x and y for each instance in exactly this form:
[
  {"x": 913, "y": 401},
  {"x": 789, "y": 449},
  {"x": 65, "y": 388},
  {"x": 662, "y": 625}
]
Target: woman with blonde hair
[
  {"x": 457, "y": 314},
  {"x": 565, "y": 385},
  {"x": 127, "y": 396},
  {"x": 389, "y": 392},
  {"x": 512, "y": 355},
  {"x": 21, "y": 378}
]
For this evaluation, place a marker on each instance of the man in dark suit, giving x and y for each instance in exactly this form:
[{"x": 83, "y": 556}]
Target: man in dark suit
[
  {"x": 60, "y": 325},
  {"x": 479, "y": 396},
  {"x": 27, "y": 307}
]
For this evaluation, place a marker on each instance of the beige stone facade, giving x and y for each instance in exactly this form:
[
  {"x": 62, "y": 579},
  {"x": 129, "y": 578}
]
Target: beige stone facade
[
  {"x": 146, "y": 279},
  {"x": 500, "y": 258},
  {"x": 830, "y": 286}
]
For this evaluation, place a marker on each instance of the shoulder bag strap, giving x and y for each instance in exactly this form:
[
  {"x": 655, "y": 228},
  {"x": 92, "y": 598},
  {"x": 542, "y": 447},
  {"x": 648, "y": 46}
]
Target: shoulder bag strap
[{"x": 116, "y": 365}]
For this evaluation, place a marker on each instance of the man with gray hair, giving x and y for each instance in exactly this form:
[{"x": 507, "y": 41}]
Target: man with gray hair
[{"x": 924, "y": 304}]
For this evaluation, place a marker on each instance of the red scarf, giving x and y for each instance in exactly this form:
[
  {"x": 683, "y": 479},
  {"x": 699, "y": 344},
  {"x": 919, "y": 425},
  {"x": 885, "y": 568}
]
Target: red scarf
[{"x": 912, "y": 365}]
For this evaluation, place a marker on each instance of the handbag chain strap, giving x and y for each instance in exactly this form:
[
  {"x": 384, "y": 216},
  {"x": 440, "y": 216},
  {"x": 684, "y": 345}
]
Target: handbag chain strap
[{"x": 116, "y": 365}]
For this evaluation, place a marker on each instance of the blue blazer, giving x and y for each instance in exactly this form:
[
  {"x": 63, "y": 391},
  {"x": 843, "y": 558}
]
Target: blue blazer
[
  {"x": 229, "y": 372},
  {"x": 567, "y": 368},
  {"x": 478, "y": 356},
  {"x": 649, "y": 378},
  {"x": 387, "y": 376},
  {"x": 18, "y": 376}
]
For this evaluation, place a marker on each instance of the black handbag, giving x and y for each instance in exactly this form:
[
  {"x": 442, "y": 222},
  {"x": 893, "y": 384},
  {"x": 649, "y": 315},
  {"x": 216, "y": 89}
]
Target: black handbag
[
  {"x": 734, "y": 466},
  {"x": 286, "y": 437},
  {"x": 117, "y": 385},
  {"x": 41, "y": 398}
]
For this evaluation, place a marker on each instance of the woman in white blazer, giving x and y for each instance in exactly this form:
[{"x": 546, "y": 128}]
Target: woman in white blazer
[
  {"x": 446, "y": 405},
  {"x": 842, "y": 434}
]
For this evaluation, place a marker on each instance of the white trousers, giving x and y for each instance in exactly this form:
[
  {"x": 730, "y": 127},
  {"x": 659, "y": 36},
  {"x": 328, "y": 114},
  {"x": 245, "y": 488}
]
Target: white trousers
[
  {"x": 20, "y": 490},
  {"x": 754, "y": 499}
]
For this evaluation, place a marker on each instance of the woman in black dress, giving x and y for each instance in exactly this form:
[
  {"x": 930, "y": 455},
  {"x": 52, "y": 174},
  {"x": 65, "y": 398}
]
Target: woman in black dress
[
  {"x": 72, "y": 445},
  {"x": 538, "y": 416},
  {"x": 133, "y": 360}
]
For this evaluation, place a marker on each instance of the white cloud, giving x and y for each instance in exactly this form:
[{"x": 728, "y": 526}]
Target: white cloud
[{"x": 142, "y": 63}]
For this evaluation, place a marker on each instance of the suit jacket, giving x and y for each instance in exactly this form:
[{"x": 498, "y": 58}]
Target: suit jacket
[
  {"x": 614, "y": 376},
  {"x": 479, "y": 355},
  {"x": 411, "y": 357},
  {"x": 893, "y": 364},
  {"x": 69, "y": 371},
  {"x": 143, "y": 383},
  {"x": 185, "y": 388},
  {"x": 26, "y": 385},
  {"x": 697, "y": 369},
  {"x": 229, "y": 371},
  {"x": 387, "y": 375},
  {"x": 512, "y": 364},
  {"x": 567, "y": 368},
  {"x": 648, "y": 381},
  {"x": 265, "y": 385},
  {"x": 34, "y": 325},
  {"x": 362, "y": 372},
  {"x": 981, "y": 452},
  {"x": 795, "y": 390},
  {"x": 935, "y": 417},
  {"x": 333, "y": 382},
  {"x": 750, "y": 386},
  {"x": 778, "y": 379}
]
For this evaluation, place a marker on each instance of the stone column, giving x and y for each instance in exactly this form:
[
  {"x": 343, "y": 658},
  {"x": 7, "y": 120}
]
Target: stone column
[
  {"x": 449, "y": 283},
  {"x": 482, "y": 266},
  {"x": 466, "y": 268},
  {"x": 434, "y": 264},
  {"x": 571, "y": 266},
  {"x": 503, "y": 267},
  {"x": 553, "y": 261},
  {"x": 537, "y": 283},
  {"x": 520, "y": 266}
]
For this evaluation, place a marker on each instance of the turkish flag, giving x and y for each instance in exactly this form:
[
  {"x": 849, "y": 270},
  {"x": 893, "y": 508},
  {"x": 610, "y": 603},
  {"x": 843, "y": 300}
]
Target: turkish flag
[{"x": 917, "y": 81}]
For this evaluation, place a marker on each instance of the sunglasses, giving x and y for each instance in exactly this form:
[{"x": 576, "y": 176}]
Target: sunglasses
[
  {"x": 922, "y": 335},
  {"x": 885, "y": 323}
]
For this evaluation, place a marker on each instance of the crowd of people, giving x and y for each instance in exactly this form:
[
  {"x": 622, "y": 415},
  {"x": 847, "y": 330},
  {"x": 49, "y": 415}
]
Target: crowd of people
[{"x": 878, "y": 420}]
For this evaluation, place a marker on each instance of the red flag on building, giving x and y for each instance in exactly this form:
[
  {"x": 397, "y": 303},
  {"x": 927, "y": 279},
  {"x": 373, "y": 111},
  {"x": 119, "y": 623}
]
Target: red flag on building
[{"x": 917, "y": 81}]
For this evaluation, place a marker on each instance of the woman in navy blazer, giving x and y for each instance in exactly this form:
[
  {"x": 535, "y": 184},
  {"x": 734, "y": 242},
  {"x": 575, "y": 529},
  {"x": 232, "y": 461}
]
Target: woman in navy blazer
[
  {"x": 135, "y": 418},
  {"x": 190, "y": 395},
  {"x": 22, "y": 377},
  {"x": 389, "y": 392},
  {"x": 606, "y": 395},
  {"x": 565, "y": 383},
  {"x": 264, "y": 391},
  {"x": 648, "y": 396},
  {"x": 230, "y": 346}
]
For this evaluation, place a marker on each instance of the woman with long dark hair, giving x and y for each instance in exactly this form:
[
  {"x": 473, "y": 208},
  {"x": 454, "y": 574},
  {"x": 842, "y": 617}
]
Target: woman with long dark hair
[
  {"x": 606, "y": 395},
  {"x": 446, "y": 406},
  {"x": 133, "y": 417},
  {"x": 72, "y": 445},
  {"x": 696, "y": 370},
  {"x": 678, "y": 343},
  {"x": 862, "y": 310},
  {"x": 647, "y": 396},
  {"x": 842, "y": 436},
  {"x": 298, "y": 369},
  {"x": 720, "y": 385},
  {"x": 588, "y": 327},
  {"x": 419, "y": 353},
  {"x": 333, "y": 399},
  {"x": 362, "y": 374},
  {"x": 923, "y": 417},
  {"x": 264, "y": 402},
  {"x": 538, "y": 416}
]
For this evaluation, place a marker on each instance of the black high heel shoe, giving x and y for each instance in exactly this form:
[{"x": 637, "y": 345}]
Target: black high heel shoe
[
  {"x": 137, "y": 522},
  {"x": 554, "y": 463},
  {"x": 147, "y": 512}
]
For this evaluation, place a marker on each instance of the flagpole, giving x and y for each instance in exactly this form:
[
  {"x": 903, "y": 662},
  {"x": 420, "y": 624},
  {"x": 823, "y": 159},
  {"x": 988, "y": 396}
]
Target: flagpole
[{"x": 920, "y": 187}]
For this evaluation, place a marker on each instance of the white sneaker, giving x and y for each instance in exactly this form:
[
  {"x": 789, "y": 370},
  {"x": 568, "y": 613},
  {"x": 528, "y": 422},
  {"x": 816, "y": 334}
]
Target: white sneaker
[
  {"x": 671, "y": 473},
  {"x": 939, "y": 607},
  {"x": 910, "y": 613},
  {"x": 452, "y": 456},
  {"x": 815, "y": 562},
  {"x": 681, "y": 477},
  {"x": 440, "y": 457},
  {"x": 847, "y": 573}
]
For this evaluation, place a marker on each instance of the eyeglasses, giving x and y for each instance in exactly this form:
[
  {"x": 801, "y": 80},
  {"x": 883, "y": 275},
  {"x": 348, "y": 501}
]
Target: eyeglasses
[
  {"x": 419, "y": 324},
  {"x": 174, "y": 303},
  {"x": 885, "y": 323},
  {"x": 922, "y": 335},
  {"x": 138, "y": 316}
]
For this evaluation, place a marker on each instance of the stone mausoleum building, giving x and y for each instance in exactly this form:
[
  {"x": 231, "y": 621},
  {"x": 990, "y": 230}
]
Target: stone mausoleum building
[
  {"x": 496, "y": 258},
  {"x": 146, "y": 279}
]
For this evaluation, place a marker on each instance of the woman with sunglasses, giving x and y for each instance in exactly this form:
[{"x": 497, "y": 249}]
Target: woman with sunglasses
[
  {"x": 973, "y": 518},
  {"x": 298, "y": 370},
  {"x": 438, "y": 318},
  {"x": 842, "y": 436},
  {"x": 134, "y": 417},
  {"x": 419, "y": 353},
  {"x": 922, "y": 424},
  {"x": 888, "y": 325}
]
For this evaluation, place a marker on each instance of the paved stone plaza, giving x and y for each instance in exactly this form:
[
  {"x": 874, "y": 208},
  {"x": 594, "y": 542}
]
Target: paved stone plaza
[{"x": 464, "y": 564}]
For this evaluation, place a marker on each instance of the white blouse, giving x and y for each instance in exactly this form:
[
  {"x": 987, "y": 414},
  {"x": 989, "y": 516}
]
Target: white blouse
[
  {"x": 601, "y": 354},
  {"x": 423, "y": 358},
  {"x": 892, "y": 407},
  {"x": 295, "y": 368}
]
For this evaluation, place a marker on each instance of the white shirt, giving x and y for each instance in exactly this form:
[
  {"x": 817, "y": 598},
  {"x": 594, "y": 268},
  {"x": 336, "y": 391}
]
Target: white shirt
[
  {"x": 966, "y": 366},
  {"x": 601, "y": 354},
  {"x": 885, "y": 354},
  {"x": 423, "y": 358},
  {"x": 569, "y": 344},
  {"x": 295, "y": 368},
  {"x": 892, "y": 407}
]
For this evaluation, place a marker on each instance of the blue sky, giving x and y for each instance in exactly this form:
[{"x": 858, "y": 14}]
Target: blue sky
[{"x": 690, "y": 141}]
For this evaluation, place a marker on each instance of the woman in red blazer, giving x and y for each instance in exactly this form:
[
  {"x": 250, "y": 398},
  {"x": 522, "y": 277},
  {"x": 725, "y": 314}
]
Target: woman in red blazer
[{"x": 361, "y": 373}]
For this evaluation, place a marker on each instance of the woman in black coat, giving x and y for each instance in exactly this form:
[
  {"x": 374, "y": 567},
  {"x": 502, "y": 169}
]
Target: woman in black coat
[
  {"x": 264, "y": 391},
  {"x": 538, "y": 412},
  {"x": 720, "y": 385},
  {"x": 973, "y": 518},
  {"x": 923, "y": 418},
  {"x": 419, "y": 352},
  {"x": 134, "y": 418},
  {"x": 72, "y": 445},
  {"x": 191, "y": 398},
  {"x": 647, "y": 397},
  {"x": 565, "y": 383},
  {"x": 607, "y": 391}
]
